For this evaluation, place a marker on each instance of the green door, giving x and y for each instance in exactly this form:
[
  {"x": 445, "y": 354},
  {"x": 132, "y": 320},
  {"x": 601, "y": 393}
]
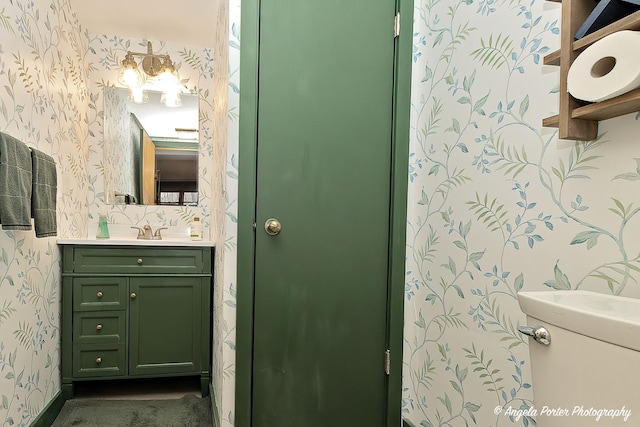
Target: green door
[{"x": 324, "y": 143}]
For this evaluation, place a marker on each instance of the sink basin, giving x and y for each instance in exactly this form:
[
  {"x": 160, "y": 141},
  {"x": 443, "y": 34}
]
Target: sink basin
[
  {"x": 162, "y": 242},
  {"x": 608, "y": 318}
]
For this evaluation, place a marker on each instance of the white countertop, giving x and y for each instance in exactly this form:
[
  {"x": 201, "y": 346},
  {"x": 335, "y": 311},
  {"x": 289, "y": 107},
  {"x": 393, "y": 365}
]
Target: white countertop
[
  {"x": 135, "y": 242},
  {"x": 124, "y": 235}
]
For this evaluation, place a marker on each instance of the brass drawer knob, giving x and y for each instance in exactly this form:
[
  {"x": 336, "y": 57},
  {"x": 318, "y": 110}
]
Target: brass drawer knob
[
  {"x": 99, "y": 294},
  {"x": 133, "y": 295},
  {"x": 139, "y": 260},
  {"x": 99, "y": 327},
  {"x": 99, "y": 360}
]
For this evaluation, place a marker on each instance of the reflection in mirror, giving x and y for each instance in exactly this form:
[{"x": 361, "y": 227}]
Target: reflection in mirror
[{"x": 150, "y": 150}]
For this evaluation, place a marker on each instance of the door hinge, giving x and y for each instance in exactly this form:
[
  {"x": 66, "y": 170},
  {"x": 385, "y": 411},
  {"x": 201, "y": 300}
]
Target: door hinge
[
  {"x": 396, "y": 25},
  {"x": 255, "y": 226},
  {"x": 387, "y": 362}
]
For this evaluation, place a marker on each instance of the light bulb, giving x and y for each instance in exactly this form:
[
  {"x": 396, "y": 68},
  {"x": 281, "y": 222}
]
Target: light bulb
[
  {"x": 138, "y": 96},
  {"x": 168, "y": 81},
  {"x": 171, "y": 99},
  {"x": 129, "y": 74}
]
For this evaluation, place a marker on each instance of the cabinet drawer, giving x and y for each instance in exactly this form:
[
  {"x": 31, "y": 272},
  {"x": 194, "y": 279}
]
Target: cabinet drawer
[
  {"x": 99, "y": 361},
  {"x": 99, "y": 327},
  {"x": 137, "y": 260},
  {"x": 99, "y": 293}
]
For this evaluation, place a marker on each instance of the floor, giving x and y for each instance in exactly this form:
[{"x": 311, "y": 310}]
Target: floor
[{"x": 144, "y": 389}]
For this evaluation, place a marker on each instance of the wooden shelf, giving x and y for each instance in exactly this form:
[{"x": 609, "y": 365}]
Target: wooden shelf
[
  {"x": 577, "y": 121},
  {"x": 552, "y": 59},
  {"x": 551, "y": 122},
  {"x": 614, "y": 107},
  {"x": 631, "y": 22}
]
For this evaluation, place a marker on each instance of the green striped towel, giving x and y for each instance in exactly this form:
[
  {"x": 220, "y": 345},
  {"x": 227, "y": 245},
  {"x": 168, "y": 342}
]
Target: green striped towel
[{"x": 15, "y": 184}]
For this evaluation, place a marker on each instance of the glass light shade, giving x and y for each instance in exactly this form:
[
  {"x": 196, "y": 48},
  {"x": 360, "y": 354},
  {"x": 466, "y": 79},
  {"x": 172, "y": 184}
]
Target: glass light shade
[
  {"x": 168, "y": 81},
  {"x": 130, "y": 76},
  {"x": 138, "y": 96},
  {"x": 171, "y": 99}
]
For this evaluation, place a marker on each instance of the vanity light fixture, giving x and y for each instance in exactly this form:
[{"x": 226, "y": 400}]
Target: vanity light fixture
[{"x": 158, "y": 71}]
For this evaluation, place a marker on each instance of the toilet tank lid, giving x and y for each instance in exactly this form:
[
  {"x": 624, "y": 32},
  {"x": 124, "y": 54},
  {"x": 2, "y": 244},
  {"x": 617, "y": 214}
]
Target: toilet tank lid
[{"x": 609, "y": 318}]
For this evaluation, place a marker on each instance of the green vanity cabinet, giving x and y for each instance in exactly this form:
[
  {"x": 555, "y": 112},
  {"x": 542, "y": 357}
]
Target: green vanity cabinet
[{"x": 135, "y": 312}]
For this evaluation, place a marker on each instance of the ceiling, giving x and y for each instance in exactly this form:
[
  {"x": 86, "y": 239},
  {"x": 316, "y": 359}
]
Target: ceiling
[{"x": 186, "y": 21}]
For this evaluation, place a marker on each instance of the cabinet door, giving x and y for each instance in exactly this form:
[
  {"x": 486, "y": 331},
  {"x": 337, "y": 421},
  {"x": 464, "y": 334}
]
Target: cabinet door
[{"x": 165, "y": 325}]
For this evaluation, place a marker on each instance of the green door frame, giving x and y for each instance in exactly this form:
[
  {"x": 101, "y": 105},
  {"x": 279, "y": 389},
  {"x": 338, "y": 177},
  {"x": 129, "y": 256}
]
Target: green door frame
[{"x": 247, "y": 207}]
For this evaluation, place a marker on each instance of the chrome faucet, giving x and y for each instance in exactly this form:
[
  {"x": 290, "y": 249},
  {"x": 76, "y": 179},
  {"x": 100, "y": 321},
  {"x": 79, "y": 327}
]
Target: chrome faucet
[{"x": 145, "y": 233}]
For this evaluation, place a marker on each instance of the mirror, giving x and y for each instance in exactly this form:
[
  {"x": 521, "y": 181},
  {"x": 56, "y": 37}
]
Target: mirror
[{"x": 150, "y": 150}]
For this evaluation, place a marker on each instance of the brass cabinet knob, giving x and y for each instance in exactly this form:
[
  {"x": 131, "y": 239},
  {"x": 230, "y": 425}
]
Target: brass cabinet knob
[
  {"x": 99, "y": 327},
  {"x": 133, "y": 295},
  {"x": 272, "y": 226},
  {"x": 139, "y": 260},
  {"x": 99, "y": 294},
  {"x": 99, "y": 360}
]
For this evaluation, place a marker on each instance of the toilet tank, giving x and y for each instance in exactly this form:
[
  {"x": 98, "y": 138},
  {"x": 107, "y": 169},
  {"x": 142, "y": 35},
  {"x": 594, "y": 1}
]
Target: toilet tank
[{"x": 589, "y": 373}]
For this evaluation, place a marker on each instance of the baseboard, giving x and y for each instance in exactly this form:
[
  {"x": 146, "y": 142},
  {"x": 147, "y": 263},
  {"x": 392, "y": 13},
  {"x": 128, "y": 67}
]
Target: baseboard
[
  {"x": 406, "y": 423},
  {"x": 50, "y": 412},
  {"x": 214, "y": 407}
]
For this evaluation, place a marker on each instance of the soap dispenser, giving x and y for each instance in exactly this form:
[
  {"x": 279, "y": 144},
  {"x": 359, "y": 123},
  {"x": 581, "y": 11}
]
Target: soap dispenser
[
  {"x": 103, "y": 229},
  {"x": 196, "y": 229}
]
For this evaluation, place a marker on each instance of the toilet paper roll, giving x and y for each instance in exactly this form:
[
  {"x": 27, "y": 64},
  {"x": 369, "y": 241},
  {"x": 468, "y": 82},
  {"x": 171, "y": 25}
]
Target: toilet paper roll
[{"x": 607, "y": 68}]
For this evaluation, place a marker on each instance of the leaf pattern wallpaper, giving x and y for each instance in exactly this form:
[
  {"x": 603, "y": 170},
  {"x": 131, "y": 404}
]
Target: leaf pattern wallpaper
[
  {"x": 228, "y": 328},
  {"x": 497, "y": 204},
  {"x": 52, "y": 73},
  {"x": 194, "y": 66},
  {"x": 44, "y": 102},
  {"x": 119, "y": 149}
]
